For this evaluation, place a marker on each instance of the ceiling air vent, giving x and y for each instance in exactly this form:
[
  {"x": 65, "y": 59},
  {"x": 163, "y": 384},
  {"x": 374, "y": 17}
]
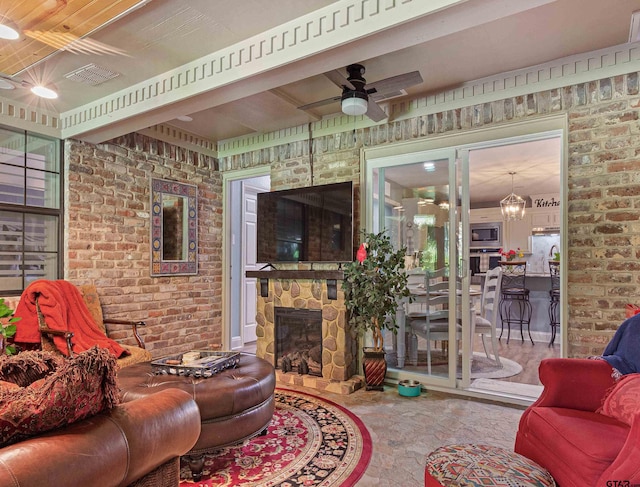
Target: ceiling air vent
[{"x": 91, "y": 74}]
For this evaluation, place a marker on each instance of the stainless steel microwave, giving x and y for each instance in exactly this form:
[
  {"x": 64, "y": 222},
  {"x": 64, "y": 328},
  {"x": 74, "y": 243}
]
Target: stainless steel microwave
[{"x": 486, "y": 235}]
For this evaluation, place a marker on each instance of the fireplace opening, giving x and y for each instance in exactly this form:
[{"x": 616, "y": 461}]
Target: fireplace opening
[{"x": 298, "y": 334}]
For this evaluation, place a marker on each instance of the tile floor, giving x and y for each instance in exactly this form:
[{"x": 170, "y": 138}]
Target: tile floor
[{"x": 405, "y": 430}]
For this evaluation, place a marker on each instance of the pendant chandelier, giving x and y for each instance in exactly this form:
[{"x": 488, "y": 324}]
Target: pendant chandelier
[{"x": 513, "y": 205}]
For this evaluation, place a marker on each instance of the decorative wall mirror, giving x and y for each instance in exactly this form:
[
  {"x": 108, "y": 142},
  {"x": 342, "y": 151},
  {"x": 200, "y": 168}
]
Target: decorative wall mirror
[{"x": 174, "y": 228}]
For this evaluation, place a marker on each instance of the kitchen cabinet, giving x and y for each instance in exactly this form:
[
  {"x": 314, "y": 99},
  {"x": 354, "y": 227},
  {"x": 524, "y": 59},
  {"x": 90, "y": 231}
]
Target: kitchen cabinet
[
  {"x": 482, "y": 215},
  {"x": 516, "y": 233},
  {"x": 545, "y": 219}
]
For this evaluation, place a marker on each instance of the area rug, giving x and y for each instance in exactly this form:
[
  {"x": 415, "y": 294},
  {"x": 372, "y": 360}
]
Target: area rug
[
  {"x": 481, "y": 366},
  {"x": 485, "y": 368},
  {"x": 310, "y": 442}
]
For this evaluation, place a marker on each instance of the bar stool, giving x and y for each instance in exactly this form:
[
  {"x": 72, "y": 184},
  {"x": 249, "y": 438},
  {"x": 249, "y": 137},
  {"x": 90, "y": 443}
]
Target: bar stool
[
  {"x": 554, "y": 298},
  {"x": 515, "y": 307}
]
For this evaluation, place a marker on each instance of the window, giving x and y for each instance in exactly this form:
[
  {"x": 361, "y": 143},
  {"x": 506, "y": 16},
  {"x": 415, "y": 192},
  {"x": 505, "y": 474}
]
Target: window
[{"x": 30, "y": 209}]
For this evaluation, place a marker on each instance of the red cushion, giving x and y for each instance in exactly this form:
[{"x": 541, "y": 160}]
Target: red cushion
[
  {"x": 574, "y": 445},
  {"x": 623, "y": 402}
]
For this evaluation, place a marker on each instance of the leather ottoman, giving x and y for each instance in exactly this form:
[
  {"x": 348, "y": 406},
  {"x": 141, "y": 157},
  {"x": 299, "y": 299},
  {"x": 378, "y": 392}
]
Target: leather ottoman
[{"x": 235, "y": 404}]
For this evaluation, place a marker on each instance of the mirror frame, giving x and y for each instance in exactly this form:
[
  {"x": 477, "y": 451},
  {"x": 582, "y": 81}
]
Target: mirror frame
[{"x": 159, "y": 266}]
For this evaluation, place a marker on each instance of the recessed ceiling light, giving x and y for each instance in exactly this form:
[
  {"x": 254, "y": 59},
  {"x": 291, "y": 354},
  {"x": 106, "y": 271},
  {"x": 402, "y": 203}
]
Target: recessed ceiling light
[
  {"x": 185, "y": 118},
  {"x": 9, "y": 33},
  {"x": 429, "y": 166},
  {"x": 44, "y": 92},
  {"x": 6, "y": 85}
]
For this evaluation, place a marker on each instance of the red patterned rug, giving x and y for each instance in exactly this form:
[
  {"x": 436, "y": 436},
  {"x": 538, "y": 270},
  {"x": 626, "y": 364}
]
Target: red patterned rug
[{"x": 310, "y": 442}]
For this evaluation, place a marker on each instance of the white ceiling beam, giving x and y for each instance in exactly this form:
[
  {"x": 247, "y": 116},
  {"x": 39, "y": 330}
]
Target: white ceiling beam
[{"x": 341, "y": 33}]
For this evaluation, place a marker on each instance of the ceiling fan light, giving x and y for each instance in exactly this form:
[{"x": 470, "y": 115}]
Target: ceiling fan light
[
  {"x": 44, "y": 92},
  {"x": 354, "y": 104}
]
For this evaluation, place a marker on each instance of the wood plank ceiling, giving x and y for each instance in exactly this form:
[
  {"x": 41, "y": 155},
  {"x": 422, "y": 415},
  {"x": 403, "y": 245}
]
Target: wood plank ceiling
[{"x": 55, "y": 25}]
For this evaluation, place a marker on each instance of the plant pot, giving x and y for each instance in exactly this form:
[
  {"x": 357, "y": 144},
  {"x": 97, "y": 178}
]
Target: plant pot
[{"x": 375, "y": 369}]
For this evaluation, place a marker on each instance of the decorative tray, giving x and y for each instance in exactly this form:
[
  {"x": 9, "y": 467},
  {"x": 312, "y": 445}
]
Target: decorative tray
[{"x": 196, "y": 363}]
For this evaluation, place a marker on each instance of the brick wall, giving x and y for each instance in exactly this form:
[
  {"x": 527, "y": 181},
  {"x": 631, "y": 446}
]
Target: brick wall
[
  {"x": 108, "y": 227},
  {"x": 604, "y": 185},
  {"x": 108, "y": 239}
]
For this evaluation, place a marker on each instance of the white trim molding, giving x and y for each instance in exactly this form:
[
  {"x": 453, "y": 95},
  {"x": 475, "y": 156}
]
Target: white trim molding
[
  {"x": 181, "y": 138},
  {"x": 26, "y": 117},
  {"x": 580, "y": 68}
]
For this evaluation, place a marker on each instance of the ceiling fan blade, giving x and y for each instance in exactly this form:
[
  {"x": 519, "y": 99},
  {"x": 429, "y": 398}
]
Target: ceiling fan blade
[
  {"x": 336, "y": 77},
  {"x": 374, "y": 112},
  {"x": 320, "y": 103},
  {"x": 395, "y": 83}
]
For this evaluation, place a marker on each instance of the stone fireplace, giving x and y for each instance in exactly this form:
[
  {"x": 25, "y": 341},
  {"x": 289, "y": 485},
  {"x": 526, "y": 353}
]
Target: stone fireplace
[{"x": 307, "y": 290}]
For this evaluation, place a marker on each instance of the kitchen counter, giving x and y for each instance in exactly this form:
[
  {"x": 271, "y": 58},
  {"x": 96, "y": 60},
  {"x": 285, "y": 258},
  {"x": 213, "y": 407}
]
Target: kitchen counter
[{"x": 539, "y": 285}]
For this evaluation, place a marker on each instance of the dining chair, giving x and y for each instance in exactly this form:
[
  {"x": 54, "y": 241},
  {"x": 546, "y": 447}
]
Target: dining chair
[
  {"x": 429, "y": 316},
  {"x": 487, "y": 316}
]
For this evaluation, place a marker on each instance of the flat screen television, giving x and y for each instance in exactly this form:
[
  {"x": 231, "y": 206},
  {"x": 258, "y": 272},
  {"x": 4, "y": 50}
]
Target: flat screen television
[{"x": 312, "y": 224}]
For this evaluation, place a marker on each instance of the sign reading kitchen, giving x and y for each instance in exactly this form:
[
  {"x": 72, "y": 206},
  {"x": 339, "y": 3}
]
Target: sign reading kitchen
[{"x": 545, "y": 201}]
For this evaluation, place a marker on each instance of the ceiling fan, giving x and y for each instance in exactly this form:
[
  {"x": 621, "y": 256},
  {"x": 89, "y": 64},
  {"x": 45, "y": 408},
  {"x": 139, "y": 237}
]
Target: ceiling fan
[{"x": 359, "y": 97}]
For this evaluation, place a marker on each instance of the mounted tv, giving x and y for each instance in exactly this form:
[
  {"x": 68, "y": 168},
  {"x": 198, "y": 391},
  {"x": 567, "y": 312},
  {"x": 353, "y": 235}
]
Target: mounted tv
[{"x": 312, "y": 224}]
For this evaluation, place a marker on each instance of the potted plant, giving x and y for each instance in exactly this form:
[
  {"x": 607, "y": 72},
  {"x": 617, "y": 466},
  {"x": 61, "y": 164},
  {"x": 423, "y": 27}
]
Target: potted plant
[
  {"x": 7, "y": 328},
  {"x": 374, "y": 284}
]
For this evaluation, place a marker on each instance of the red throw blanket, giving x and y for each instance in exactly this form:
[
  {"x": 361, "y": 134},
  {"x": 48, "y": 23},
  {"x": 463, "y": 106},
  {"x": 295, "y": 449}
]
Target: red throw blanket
[{"x": 63, "y": 309}]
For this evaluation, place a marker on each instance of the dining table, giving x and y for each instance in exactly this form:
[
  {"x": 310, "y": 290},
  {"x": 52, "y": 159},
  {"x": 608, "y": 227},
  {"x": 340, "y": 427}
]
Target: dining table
[{"x": 418, "y": 292}]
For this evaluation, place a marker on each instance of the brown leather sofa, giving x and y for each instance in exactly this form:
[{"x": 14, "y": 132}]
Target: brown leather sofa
[{"x": 137, "y": 443}]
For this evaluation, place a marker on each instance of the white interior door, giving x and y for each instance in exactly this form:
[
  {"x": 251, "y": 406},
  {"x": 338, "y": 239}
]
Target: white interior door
[{"x": 249, "y": 241}]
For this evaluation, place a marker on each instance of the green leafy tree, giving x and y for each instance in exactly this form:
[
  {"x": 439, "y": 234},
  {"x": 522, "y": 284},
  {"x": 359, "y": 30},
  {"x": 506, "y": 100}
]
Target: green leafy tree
[
  {"x": 374, "y": 284},
  {"x": 7, "y": 328}
]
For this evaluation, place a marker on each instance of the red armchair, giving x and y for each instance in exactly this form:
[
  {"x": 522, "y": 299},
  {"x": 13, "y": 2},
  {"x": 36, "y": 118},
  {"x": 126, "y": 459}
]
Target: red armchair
[{"x": 563, "y": 432}]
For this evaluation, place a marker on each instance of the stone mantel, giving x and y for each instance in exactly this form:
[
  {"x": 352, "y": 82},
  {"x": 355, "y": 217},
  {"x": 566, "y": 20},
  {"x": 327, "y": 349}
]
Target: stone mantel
[{"x": 296, "y": 274}]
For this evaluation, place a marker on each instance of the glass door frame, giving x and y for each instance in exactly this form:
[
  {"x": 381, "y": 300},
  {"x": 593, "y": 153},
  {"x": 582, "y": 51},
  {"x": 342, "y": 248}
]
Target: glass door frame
[
  {"x": 457, "y": 266},
  {"x": 463, "y": 142}
]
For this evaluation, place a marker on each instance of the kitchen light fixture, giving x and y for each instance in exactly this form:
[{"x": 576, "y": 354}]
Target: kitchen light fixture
[
  {"x": 354, "y": 103},
  {"x": 512, "y": 206}
]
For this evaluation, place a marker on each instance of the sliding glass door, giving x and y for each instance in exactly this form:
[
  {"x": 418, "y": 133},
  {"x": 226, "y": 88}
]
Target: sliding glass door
[{"x": 417, "y": 199}]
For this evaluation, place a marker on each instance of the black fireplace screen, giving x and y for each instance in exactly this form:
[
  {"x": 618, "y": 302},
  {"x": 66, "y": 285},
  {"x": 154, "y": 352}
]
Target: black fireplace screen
[{"x": 299, "y": 340}]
